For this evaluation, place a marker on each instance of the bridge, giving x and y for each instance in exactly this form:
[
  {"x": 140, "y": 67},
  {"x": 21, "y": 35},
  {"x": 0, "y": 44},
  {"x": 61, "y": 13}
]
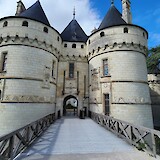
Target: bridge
[{"x": 70, "y": 138}]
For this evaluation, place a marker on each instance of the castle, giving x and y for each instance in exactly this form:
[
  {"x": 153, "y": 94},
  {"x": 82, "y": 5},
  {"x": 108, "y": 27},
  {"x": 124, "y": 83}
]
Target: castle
[{"x": 41, "y": 69}]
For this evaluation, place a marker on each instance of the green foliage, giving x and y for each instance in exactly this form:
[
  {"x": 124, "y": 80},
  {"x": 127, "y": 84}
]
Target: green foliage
[
  {"x": 69, "y": 106},
  {"x": 157, "y": 139},
  {"x": 153, "y": 59},
  {"x": 141, "y": 146}
]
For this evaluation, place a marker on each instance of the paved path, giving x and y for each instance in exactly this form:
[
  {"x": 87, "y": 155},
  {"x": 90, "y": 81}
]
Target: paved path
[{"x": 80, "y": 139}]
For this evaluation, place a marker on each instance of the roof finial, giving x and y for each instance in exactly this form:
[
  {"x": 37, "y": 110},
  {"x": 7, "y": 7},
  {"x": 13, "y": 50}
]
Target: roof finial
[
  {"x": 74, "y": 12},
  {"x": 112, "y": 2}
]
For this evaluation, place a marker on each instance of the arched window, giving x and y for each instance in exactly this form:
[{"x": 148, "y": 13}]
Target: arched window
[
  {"x": 5, "y": 24},
  {"x": 73, "y": 45},
  {"x": 125, "y": 30},
  {"x": 25, "y": 23},
  {"x": 102, "y": 34},
  {"x": 65, "y": 45},
  {"x": 45, "y": 29}
]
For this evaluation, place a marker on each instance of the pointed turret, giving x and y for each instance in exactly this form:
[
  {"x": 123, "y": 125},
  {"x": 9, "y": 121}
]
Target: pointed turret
[
  {"x": 73, "y": 32},
  {"x": 126, "y": 13},
  {"x": 36, "y": 12},
  {"x": 112, "y": 18},
  {"x": 20, "y": 8}
]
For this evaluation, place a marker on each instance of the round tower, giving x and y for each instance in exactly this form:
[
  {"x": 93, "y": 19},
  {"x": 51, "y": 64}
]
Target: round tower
[
  {"x": 29, "y": 50},
  {"x": 117, "y": 70}
]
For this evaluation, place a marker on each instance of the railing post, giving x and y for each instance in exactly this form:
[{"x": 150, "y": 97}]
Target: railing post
[
  {"x": 11, "y": 148},
  {"x": 153, "y": 144},
  {"x": 27, "y": 135}
]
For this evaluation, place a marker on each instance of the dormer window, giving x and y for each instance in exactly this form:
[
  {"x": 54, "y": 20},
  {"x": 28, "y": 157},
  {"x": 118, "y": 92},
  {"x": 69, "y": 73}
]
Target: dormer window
[
  {"x": 5, "y": 24},
  {"x": 25, "y": 23},
  {"x": 102, "y": 34},
  {"x": 143, "y": 34},
  {"x": 125, "y": 30},
  {"x": 65, "y": 45},
  {"x": 45, "y": 29},
  {"x": 73, "y": 45}
]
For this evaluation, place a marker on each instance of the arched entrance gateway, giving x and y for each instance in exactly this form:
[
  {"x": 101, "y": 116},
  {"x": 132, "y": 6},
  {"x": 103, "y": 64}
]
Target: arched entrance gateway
[{"x": 70, "y": 106}]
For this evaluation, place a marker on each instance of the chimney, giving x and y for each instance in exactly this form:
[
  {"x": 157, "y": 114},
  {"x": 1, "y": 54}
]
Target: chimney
[
  {"x": 20, "y": 8},
  {"x": 126, "y": 13}
]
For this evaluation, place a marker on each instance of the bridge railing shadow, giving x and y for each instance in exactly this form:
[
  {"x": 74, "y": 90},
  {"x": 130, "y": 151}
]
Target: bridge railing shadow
[
  {"x": 142, "y": 138},
  {"x": 43, "y": 146},
  {"x": 14, "y": 143}
]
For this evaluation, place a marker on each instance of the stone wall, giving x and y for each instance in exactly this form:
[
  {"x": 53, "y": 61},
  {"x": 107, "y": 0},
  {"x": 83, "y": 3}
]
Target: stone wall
[
  {"x": 70, "y": 86},
  {"x": 154, "y": 84}
]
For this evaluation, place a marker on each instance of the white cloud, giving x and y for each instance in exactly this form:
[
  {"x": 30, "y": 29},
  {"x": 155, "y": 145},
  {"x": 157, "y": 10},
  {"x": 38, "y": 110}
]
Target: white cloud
[{"x": 59, "y": 12}]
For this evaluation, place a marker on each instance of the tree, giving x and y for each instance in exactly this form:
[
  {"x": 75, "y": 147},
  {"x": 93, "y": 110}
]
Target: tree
[{"x": 153, "y": 60}]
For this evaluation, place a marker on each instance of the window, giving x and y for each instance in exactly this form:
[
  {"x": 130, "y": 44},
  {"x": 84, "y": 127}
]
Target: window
[
  {"x": 89, "y": 41},
  {"x": 71, "y": 70},
  {"x": 53, "y": 63},
  {"x": 58, "y": 38},
  {"x": 5, "y": 24},
  {"x": 102, "y": 34},
  {"x": 73, "y": 45},
  {"x": 82, "y": 46},
  {"x": 125, "y": 30},
  {"x": 3, "y": 61},
  {"x": 65, "y": 45},
  {"x": 143, "y": 34},
  {"x": 105, "y": 67},
  {"x": 25, "y": 23},
  {"x": 106, "y": 104},
  {"x": 45, "y": 29}
]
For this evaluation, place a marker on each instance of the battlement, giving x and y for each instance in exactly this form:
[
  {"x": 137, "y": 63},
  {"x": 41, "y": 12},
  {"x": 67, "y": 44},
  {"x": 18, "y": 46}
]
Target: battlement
[
  {"x": 123, "y": 37},
  {"x": 28, "y": 32}
]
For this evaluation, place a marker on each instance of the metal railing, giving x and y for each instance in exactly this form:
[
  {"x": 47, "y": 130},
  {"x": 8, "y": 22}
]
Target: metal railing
[
  {"x": 143, "y": 138},
  {"x": 14, "y": 143}
]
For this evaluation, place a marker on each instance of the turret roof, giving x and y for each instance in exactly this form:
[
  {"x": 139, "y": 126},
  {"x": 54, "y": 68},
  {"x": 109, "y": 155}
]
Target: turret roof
[
  {"x": 112, "y": 18},
  {"x": 74, "y": 33},
  {"x": 35, "y": 12}
]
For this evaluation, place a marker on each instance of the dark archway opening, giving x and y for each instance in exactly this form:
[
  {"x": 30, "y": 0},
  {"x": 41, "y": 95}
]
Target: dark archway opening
[{"x": 70, "y": 106}]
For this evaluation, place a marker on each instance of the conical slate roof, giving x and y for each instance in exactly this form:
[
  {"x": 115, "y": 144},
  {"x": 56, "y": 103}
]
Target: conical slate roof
[
  {"x": 74, "y": 33},
  {"x": 36, "y": 12},
  {"x": 112, "y": 18}
]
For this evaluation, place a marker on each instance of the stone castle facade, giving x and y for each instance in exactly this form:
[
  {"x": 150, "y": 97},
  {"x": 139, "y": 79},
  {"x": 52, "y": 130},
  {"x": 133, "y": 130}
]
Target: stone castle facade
[{"x": 42, "y": 69}]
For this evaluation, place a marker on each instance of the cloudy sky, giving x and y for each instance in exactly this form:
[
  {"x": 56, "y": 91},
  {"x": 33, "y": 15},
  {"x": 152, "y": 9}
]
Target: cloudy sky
[{"x": 89, "y": 13}]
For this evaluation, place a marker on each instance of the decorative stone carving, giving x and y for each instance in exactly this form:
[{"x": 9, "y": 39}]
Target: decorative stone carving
[
  {"x": 138, "y": 100},
  {"x": 10, "y": 39},
  {"x": 28, "y": 99}
]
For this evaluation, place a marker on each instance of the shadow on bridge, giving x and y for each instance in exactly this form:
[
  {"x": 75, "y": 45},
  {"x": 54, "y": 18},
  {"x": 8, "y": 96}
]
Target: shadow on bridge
[{"x": 44, "y": 144}]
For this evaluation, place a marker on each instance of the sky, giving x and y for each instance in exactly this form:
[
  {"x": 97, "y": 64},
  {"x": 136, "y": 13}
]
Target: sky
[{"x": 90, "y": 13}]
